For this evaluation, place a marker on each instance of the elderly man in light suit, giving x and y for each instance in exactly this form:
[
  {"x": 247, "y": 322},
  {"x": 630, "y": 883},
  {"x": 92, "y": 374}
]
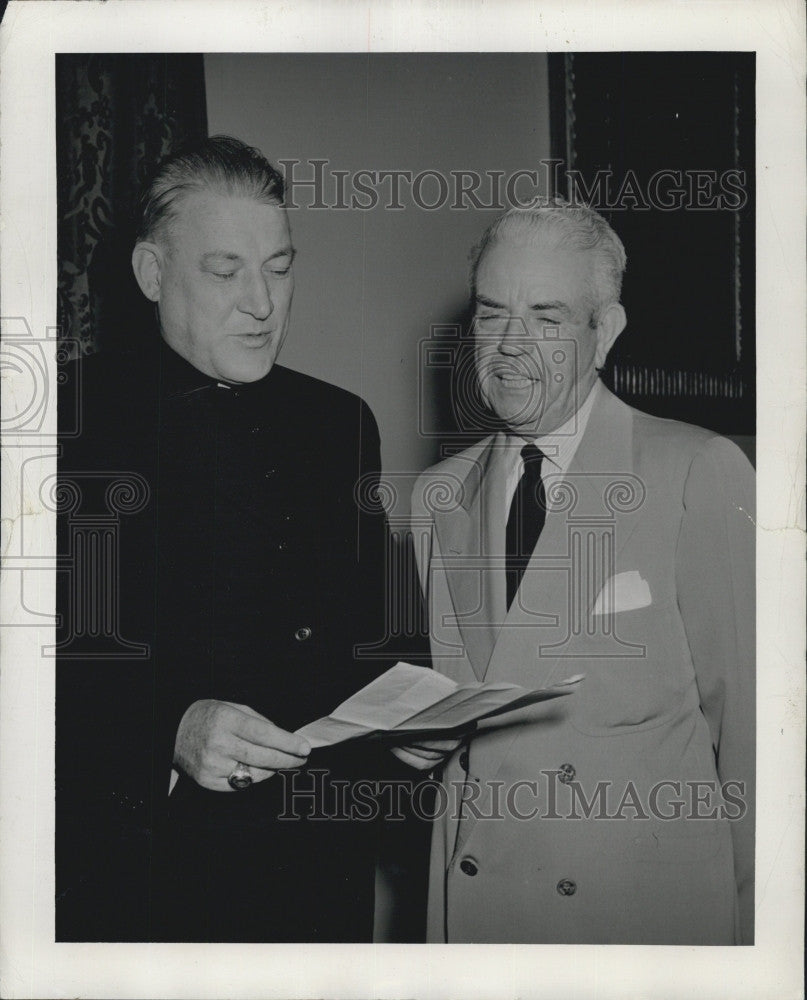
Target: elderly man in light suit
[{"x": 589, "y": 538}]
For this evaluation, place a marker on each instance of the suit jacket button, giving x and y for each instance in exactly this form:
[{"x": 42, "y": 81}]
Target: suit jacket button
[
  {"x": 566, "y": 887},
  {"x": 468, "y": 866},
  {"x": 567, "y": 773},
  {"x": 303, "y": 633},
  {"x": 464, "y": 760}
]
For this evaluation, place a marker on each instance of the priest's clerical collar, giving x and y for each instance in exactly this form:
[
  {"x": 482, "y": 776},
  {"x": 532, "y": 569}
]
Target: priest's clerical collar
[{"x": 180, "y": 379}]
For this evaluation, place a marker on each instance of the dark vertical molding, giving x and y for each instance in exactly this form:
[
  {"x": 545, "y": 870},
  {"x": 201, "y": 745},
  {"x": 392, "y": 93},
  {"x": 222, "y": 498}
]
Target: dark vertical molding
[
  {"x": 559, "y": 116},
  {"x": 688, "y": 351},
  {"x": 738, "y": 316}
]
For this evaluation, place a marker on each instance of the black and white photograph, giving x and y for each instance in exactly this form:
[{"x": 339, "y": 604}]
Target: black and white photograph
[{"x": 391, "y": 414}]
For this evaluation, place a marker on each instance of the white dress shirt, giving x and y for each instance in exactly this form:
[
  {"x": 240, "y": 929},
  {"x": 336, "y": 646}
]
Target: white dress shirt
[{"x": 559, "y": 447}]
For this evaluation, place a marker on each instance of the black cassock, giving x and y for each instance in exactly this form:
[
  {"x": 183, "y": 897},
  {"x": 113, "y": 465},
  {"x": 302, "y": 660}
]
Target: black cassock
[{"x": 243, "y": 550}]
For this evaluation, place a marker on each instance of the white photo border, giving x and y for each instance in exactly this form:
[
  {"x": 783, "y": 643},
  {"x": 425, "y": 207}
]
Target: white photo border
[{"x": 31, "y": 963}]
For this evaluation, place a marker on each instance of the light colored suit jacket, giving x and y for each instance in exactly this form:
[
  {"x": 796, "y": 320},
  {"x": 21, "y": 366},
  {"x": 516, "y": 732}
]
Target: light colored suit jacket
[{"x": 643, "y": 581}]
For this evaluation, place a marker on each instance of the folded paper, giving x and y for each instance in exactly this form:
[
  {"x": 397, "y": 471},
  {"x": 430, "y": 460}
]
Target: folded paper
[{"x": 407, "y": 700}]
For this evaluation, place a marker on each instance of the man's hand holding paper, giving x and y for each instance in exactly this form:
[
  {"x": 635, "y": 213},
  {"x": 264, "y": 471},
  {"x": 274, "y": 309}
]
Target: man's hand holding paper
[{"x": 411, "y": 701}]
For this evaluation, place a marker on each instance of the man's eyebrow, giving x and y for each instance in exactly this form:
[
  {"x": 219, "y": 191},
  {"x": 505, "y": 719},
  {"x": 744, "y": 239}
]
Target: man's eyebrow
[
  {"x": 229, "y": 255},
  {"x": 549, "y": 307},
  {"x": 555, "y": 305},
  {"x": 483, "y": 300},
  {"x": 219, "y": 255}
]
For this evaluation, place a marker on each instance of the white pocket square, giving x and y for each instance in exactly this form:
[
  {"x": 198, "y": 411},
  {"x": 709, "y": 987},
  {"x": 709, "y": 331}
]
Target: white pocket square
[{"x": 623, "y": 592}]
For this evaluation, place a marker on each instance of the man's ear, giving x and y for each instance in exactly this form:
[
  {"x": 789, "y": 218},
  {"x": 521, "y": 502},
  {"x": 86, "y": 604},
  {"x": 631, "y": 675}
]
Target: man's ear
[
  {"x": 611, "y": 324},
  {"x": 147, "y": 261}
]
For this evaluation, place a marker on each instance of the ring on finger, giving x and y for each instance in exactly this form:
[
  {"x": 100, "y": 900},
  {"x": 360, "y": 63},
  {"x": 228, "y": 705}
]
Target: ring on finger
[{"x": 240, "y": 778}]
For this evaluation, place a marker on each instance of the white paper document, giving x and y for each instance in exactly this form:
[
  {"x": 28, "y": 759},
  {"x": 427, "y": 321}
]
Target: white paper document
[{"x": 408, "y": 699}]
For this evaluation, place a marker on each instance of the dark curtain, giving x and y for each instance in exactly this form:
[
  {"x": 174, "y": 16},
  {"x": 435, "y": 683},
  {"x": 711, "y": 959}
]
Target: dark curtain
[
  {"x": 688, "y": 351},
  {"x": 116, "y": 116}
]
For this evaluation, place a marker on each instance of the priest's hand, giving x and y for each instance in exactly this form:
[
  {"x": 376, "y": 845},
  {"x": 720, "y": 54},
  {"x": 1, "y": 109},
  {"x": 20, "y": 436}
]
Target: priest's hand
[
  {"x": 214, "y": 737},
  {"x": 425, "y": 755}
]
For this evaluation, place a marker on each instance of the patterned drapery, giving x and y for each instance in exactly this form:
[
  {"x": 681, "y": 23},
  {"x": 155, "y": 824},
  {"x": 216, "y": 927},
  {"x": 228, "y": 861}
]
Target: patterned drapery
[{"x": 116, "y": 116}]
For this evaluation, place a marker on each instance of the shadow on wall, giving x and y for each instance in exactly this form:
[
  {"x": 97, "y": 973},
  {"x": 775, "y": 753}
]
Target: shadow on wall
[
  {"x": 452, "y": 415},
  {"x": 123, "y": 315}
]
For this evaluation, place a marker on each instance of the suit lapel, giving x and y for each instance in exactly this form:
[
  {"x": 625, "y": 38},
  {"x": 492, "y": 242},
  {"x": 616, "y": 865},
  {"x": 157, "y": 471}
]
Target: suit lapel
[
  {"x": 471, "y": 537},
  {"x": 592, "y": 512}
]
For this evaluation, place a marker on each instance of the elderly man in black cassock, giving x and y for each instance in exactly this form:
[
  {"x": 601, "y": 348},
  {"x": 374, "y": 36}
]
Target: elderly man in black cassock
[{"x": 249, "y": 575}]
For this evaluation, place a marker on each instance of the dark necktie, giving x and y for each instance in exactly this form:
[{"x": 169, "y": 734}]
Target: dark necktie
[{"x": 526, "y": 519}]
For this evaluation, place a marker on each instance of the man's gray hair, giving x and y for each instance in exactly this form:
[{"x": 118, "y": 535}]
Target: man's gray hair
[
  {"x": 568, "y": 226},
  {"x": 219, "y": 163}
]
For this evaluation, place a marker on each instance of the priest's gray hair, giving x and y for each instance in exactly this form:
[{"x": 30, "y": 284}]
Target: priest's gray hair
[{"x": 221, "y": 164}]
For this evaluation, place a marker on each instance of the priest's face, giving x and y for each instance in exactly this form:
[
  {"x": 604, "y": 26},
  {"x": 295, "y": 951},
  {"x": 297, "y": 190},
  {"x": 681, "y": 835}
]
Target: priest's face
[{"x": 225, "y": 284}]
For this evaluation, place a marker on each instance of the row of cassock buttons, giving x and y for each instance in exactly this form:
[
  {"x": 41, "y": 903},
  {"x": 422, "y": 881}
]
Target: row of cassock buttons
[
  {"x": 565, "y": 887},
  {"x": 567, "y": 772}
]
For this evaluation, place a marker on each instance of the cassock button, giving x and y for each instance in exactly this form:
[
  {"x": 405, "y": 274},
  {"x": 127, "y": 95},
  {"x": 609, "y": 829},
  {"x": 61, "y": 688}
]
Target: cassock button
[
  {"x": 567, "y": 773},
  {"x": 464, "y": 760},
  {"x": 566, "y": 887},
  {"x": 467, "y": 866},
  {"x": 303, "y": 633}
]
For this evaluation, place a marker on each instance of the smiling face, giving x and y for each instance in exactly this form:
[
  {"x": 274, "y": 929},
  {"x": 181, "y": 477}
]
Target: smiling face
[
  {"x": 536, "y": 351},
  {"x": 222, "y": 277}
]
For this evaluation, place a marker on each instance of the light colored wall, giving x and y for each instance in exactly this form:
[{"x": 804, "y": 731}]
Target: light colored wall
[{"x": 369, "y": 284}]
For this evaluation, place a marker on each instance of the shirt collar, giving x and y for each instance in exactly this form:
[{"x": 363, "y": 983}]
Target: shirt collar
[{"x": 559, "y": 446}]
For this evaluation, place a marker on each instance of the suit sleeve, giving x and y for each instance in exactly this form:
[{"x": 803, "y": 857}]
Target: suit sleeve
[
  {"x": 716, "y": 594},
  {"x": 373, "y": 542},
  {"x": 421, "y": 532}
]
